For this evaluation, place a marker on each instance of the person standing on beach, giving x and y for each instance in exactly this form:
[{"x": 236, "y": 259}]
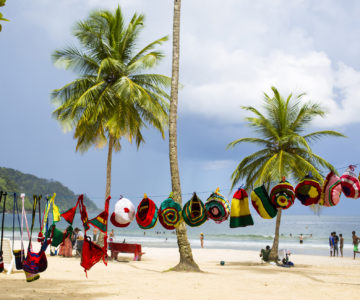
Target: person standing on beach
[
  {"x": 331, "y": 243},
  {"x": 95, "y": 232},
  {"x": 301, "y": 239},
  {"x": 355, "y": 242},
  {"x": 341, "y": 244},
  {"x": 336, "y": 244},
  {"x": 202, "y": 240}
]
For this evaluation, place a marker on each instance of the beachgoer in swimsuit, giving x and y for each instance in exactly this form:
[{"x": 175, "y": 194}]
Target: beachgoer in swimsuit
[
  {"x": 341, "y": 244},
  {"x": 301, "y": 238},
  {"x": 331, "y": 243},
  {"x": 336, "y": 244},
  {"x": 202, "y": 240},
  {"x": 355, "y": 242}
]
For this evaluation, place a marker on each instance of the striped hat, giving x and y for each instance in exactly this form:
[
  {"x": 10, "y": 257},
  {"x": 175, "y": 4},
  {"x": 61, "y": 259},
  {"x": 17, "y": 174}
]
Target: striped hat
[
  {"x": 308, "y": 191},
  {"x": 331, "y": 190},
  {"x": 147, "y": 213},
  {"x": 124, "y": 213},
  {"x": 240, "y": 213},
  {"x": 194, "y": 212},
  {"x": 350, "y": 183},
  {"x": 262, "y": 203},
  {"x": 217, "y": 207},
  {"x": 282, "y": 195},
  {"x": 170, "y": 213}
]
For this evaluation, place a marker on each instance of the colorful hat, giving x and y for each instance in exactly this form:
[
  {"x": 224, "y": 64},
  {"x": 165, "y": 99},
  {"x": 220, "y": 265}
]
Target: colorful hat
[
  {"x": 308, "y": 191},
  {"x": 331, "y": 190},
  {"x": 170, "y": 213},
  {"x": 282, "y": 195},
  {"x": 194, "y": 212},
  {"x": 240, "y": 213},
  {"x": 123, "y": 214},
  {"x": 217, "y": 207},
  {"x": 261, "y": 202},
  {"x": 147, "y": 213},
  {"x": 350, "y": 183}
]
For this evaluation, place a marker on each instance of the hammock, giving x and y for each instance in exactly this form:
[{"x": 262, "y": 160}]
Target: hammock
[
  {"x": 240, "y": 213},
  {"x": 170, "y": 213},
  {"x": 308, "y": 191},
  {"x": 217, "y": 207},
  {"x": 147, "y": 213},
  {"x": 194, "y": 212},
  {"x": 350, "y": 183},
  {"x": 123, "y": 214},
  {"x": 262, "y": 203},
  {"x": 282, "y": 195},
  {"x": 331, "y": 190}
]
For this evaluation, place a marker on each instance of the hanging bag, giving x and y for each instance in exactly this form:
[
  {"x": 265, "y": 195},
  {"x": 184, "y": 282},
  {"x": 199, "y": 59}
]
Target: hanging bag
[
  {"x": 2, "y": 195},
  {"x": 18, "y": 254}
]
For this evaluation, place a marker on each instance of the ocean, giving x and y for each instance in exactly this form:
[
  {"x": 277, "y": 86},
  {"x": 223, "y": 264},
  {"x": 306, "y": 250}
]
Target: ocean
[{"x": 315, "y": 229}]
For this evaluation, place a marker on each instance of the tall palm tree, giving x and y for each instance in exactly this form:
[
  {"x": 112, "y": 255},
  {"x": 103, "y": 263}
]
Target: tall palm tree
[
  {"x": 114, "y": 96},
  {"x": 187, "y": 262},
  {"x": 285, "y": 149}
]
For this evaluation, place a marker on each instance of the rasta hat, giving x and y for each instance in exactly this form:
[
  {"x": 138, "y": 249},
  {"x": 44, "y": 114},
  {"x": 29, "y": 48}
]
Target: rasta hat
[
  {"x": 240, "y": 214},
  {"x": 123, "y": 214},
  {"x": 282, "y": 195},
  {"x": 170, "y": 213},
  {"x": 331, "y": 190},
  {"x": 147, "y": 213},
  {"x": 194, "y": 212},
  {"x": 217, "y": 207},
  {"x": 261, "y": 202},
  {"x": 350, "y": 183},
  {"x": 308, "y": 191}
]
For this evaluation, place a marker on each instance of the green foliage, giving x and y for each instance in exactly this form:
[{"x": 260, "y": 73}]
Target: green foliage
[
  {"x": 2, "y": 3},
  {"x": 14, "y": 181},
  {"x": 285, "y": 149},
  {"x": 113, "y": 95}
]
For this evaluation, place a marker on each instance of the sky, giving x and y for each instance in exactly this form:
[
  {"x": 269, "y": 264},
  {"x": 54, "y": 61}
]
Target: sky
[{"x": 231, "y": 53}]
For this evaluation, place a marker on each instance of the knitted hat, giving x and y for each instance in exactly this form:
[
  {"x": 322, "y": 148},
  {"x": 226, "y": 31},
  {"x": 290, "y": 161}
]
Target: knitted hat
[
  {"x": 170, "y": 213},
  {"x": 194, "y": 212},
  {"x": 262, "y": 203},
  {"x": 282, "y": 195},
  {"x": 240, "y": 214},
  {"x": 350, "y": 183},
  {"x": 147, "y": 213},
  {"x": 217, "y": 207},
  {"x": 331, "y": 190},
  {"x": 308, "y": 191},
  {"x": 123, "y": 214}
]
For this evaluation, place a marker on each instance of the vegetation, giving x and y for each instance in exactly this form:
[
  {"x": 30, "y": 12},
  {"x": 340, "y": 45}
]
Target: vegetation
[
  {"x": 114, "y": 96},
  {"x": 14, "y": 181},
  {"x": 187, "y": 262},
  {"x": 2, "y": 3},
  {"x": 285, "y": 149}
]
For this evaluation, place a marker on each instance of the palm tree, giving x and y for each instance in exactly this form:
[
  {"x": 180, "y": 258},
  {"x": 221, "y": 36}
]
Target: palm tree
[
  {"x": 187, "y": 262},
  {"x": 114, "y": 96},
  {"x": 285, "y": 146}
]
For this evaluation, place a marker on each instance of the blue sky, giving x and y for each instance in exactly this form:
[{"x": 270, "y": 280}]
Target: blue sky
[{"x": 231, "y": 52}]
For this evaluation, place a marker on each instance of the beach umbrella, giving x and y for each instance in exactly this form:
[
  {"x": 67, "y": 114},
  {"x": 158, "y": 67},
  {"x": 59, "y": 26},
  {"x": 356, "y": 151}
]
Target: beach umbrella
[
  {"x": 124, "y": 213},
  {"x": 282, "y": 195},
  {"x": 217, "y": 207},
  {"x": 240, "y": 213},
  {"x": 170, "y": 213},
  {"x": 261, "y": 202},
  {"x": 147, "y": 213},
  {"x": 308, "y": 191},
  {"x": 350, "y": 183},
  {"x": 194, "y": 212},
  {"x": 331, "y": 190}
]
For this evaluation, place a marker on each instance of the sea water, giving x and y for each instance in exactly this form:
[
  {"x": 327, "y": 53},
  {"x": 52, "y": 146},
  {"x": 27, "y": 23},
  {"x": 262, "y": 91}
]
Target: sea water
[{"x": 315, "y": 230}]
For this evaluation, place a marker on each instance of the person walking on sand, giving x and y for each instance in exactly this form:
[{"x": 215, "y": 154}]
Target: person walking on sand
[
  {"x": 336, "y": 244},
  {"x": 355, "y": 239},
  {"x": 341, "y": 244},
  {"x": 202, "y": 240},
  {"x": 331, "y": 243}
]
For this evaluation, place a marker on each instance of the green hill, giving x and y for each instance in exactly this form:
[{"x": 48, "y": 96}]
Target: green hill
[{"x": 14, "y": 181}]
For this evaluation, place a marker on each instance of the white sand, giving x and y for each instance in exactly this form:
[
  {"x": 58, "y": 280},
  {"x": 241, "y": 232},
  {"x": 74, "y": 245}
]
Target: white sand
[{"x": 242, "y": 277}]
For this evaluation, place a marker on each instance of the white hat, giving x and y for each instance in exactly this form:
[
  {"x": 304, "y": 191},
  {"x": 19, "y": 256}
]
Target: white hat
[{"x": 123, "y": 214}]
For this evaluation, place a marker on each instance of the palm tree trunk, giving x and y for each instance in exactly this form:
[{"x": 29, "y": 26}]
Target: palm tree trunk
[
  {"x": 108, "y": 166},
  {"x": 275, "y": 247},
  {"x": 187, "y": 262}
]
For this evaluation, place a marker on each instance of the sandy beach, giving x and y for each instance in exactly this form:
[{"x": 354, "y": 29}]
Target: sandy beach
[{"x": 243, "y": 276}]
